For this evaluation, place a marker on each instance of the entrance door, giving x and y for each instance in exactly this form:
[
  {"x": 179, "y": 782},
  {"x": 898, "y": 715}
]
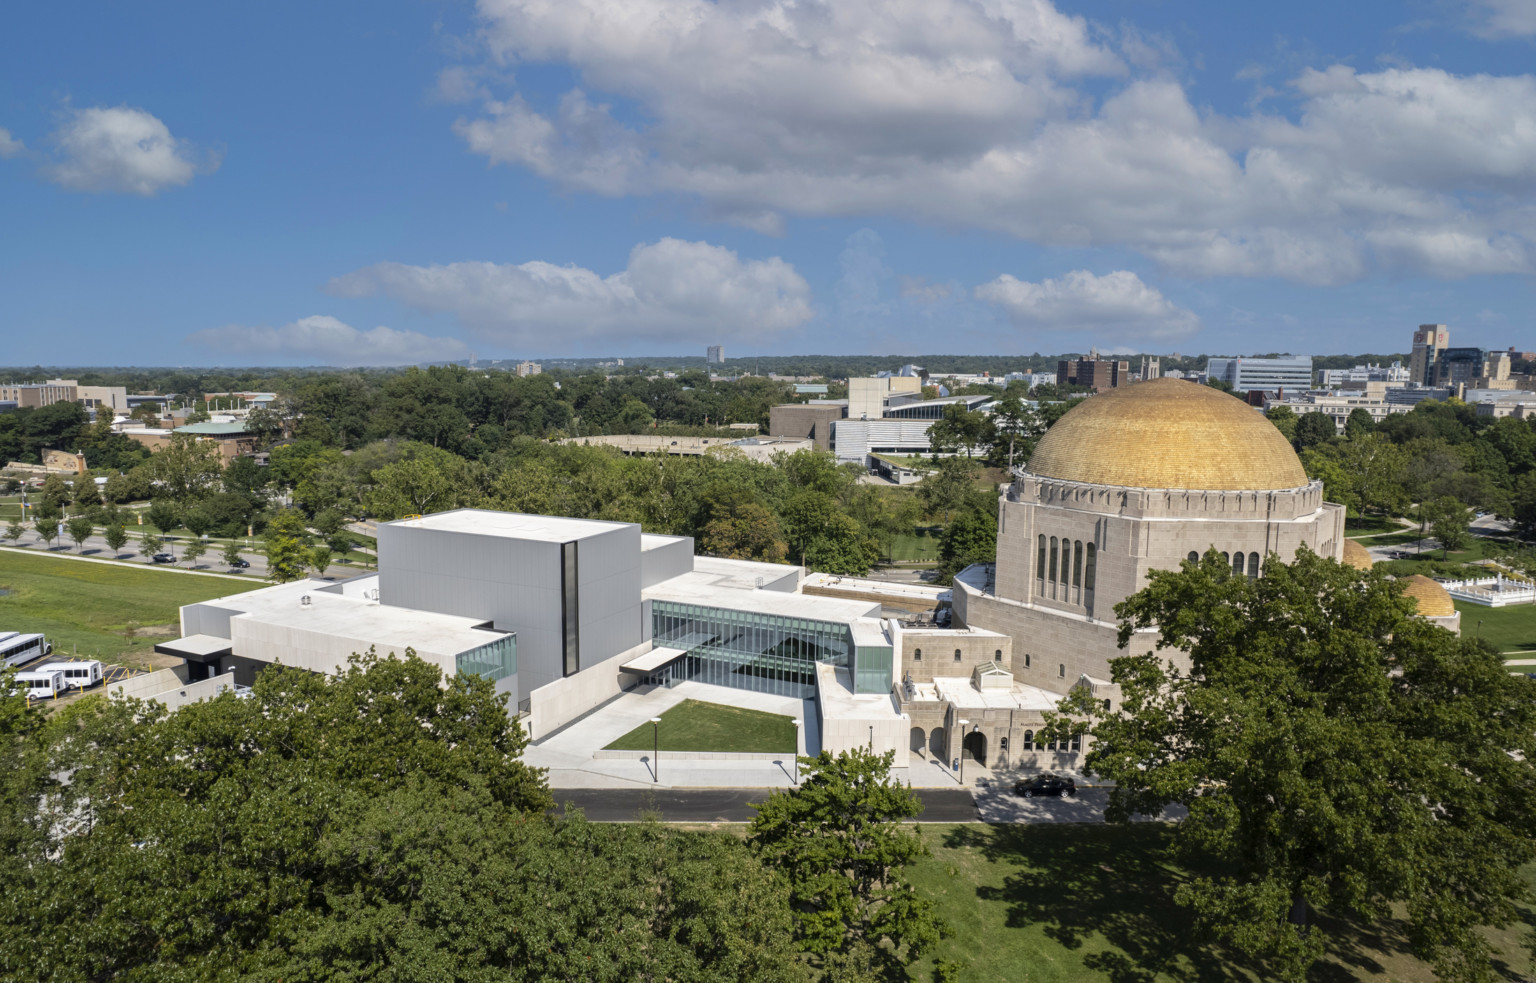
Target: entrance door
[{"x": 976, "y": 746}]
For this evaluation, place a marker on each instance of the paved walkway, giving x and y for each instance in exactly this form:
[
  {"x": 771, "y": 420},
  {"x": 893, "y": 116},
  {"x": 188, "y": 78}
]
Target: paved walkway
[{"x": 726, "y": 805}]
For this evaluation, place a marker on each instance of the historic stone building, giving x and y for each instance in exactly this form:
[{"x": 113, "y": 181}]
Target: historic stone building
[{"x": 1132, "y": 480}]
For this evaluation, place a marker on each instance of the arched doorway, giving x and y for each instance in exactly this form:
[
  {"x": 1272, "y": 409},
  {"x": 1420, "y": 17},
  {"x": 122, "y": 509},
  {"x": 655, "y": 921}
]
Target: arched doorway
[
  {"x": 975, "y": 745},
  {"x": 919, "y": 741},
  {"x": 936, "y": 743}
]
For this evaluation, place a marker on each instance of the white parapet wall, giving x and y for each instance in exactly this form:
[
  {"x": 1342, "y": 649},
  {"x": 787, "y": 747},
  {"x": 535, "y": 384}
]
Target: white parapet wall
[
  {"x": 864, "y": 720},
  {"x": 556, "y": 704},
  {"x": 167, "y": 686}
]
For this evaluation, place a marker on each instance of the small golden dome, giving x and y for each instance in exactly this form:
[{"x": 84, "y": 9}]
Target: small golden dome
[
  {"x": 1168, "y": 433},
  {"x": 1433, "y": 600},
  {"x": 1357, "y": 556}
]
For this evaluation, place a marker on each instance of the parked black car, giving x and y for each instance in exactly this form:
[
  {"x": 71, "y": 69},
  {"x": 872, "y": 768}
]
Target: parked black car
[
  {"x": 242, "y": 564},
  {"x": 1046, "y": 784}
]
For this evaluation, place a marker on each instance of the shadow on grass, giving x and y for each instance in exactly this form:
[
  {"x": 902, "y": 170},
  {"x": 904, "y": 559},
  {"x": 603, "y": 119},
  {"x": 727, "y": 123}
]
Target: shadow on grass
[{"x": 1118, "y": 883}]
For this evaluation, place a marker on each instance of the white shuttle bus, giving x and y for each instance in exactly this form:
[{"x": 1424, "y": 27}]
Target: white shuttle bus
[
  {"x": 41, "y": 685},
  {"x": 17, "y": 649},
  {"x": 77, "y": 675}
]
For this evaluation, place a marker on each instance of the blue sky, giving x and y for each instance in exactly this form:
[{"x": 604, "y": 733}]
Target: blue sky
[{"x": 405, "y": 180}]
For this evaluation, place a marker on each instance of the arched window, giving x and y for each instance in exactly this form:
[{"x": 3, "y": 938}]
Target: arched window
[
  {"x": 1029, "y": 740},
  {"x": 1106, "y": 706},
  {"x": 1091, "y": 567},
  {"x": 1077, "y": 563},
  {"x": 917, "y": 655},
  {"x": 1061, "y": 670},
  {"x": 998, "y": 655},
  {"x": 1226, "y": 558},
  {"x": 1194, "y": 556},
  {"x": 1066, "y": 562},
  {"x": 1253, "y": 564},
  {"x": 1040, "y": 559},
  {"x": 1052, "y": 567},
  {"x": 1238, "y": 559},
  {"x": 957, "y": 655}
]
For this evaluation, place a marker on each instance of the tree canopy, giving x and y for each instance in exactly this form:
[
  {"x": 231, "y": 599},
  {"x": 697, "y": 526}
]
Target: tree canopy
[{"x": 1337, "y": 754}]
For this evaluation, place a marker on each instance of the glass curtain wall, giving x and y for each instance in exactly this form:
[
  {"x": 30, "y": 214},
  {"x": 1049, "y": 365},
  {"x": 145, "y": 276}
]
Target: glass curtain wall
[
  {"x": 496, "y": 660},
  {"x": 765, "y": 653}
]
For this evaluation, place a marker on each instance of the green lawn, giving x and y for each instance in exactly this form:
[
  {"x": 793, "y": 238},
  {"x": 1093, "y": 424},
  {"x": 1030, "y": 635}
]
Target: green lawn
[
  {"x": 1511, "y": 629},
  {"x": 1051, "y": 904},
  {"x": 694, "y": 725},
  {"x": 89, "y": 607},
  {"x": 914, "y": 548},
  {"x": 1391, "y": 539},
  {"x": 1367, "y": 525}
]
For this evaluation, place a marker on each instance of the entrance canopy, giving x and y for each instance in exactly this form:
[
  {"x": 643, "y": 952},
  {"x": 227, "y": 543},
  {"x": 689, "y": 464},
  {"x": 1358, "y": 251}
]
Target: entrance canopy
[
  {"x": 197, "y": 648},
  {"x": 653, "y": 660}
]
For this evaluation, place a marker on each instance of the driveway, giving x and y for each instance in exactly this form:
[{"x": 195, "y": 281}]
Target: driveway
[{"x": 996, "y": 803}]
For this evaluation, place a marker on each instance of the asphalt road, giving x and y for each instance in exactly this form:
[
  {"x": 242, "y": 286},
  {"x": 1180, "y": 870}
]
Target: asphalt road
[
  {"x": 96, "y": 547},
  {"x": 617, "y": 805}
]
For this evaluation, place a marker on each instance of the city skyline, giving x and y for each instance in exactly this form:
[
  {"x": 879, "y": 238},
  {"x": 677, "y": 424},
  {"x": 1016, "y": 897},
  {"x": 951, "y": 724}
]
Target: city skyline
[{"x": 406, "y": 182}]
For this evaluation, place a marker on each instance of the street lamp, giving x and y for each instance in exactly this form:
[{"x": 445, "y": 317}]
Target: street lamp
[
  {"x": 798, "y": 722},
  {"x": 963, "y": 724},
  {"x": 656, "y": 749}
]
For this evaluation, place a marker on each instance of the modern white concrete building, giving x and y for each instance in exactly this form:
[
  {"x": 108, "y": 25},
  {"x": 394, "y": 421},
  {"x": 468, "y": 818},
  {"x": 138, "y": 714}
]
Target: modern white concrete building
[{"x": 564, "y": 615}]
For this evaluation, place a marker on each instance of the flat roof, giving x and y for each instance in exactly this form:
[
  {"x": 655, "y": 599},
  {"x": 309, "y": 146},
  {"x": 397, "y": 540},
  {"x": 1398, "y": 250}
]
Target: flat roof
[
  {"x": 391, "y": 628},
  {"x": 654, "y": 659},
  {"x": 834, "y": 686},
  {"x": 214, "y": 429},
  {"x": 742, "y": 574},
  {"x": 959, "y": 691},
  {"x": 513, "y": 525},
  {"x": 701, "y": 588},
  {"x": 196, "y": 647},
  {"x": 916, "y": 592}
]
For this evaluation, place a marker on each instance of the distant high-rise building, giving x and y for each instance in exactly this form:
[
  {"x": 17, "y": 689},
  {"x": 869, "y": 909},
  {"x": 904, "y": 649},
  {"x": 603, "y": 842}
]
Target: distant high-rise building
[
  {"x": 715, "y": 354},
  {"x": 528, "y": 368},
  {"x": 1093, "y": 372},
  {"x": 1290, "y": 372},
  {"x": 1428, "y": 342}
]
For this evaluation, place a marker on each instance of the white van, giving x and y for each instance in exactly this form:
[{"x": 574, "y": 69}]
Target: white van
[
  {"x": 77, "y": 675},
  {"x": 41, "y": 685}
]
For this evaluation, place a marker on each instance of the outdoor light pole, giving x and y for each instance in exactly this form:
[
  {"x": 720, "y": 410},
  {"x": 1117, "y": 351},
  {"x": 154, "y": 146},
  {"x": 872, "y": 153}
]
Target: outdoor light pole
[
  {"x": 798, "y": 722},
  {"x": 656, "y": 749},
  {"x": 963, "y": 725}
]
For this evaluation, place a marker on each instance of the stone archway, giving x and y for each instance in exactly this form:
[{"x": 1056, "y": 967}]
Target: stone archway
[
  {"x": 919, "y": 741},
  {"x": 975, "y": 745},
  {"x": 936, "y": 745}
]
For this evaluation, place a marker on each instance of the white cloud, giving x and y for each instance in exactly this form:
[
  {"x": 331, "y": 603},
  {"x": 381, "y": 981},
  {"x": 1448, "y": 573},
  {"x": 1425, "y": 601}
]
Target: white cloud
[
  {"x": 1116, "y": 305},
  {"x": 324, "y": 340},
  {"x": 671, "y": 290},
  {"x": 1502, "y": 18},
  {"x": 9, "y": 145},
  {"x": 973, "y": 113},
  {"x": 121, "y": 149}
]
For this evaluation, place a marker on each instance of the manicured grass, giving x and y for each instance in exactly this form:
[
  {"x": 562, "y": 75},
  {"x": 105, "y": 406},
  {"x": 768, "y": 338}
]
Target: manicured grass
[
  {"x": 1366, "y": 525},
  {"x": 1391, "y": 539},
  {"x": 694, "y": 725},
  {"x": 914, "y": 548},
  {"x": 1511, "y": 629},
  {"x": 89, "y": 607},
  {"x": 1052, "y": 904}
]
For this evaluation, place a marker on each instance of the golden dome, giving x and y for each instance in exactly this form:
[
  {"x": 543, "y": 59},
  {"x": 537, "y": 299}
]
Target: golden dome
[
  {"x": 1357, "y": 556},
  {"x": 1433, "y": 600},
  {"x": 1168, "y": 433}
]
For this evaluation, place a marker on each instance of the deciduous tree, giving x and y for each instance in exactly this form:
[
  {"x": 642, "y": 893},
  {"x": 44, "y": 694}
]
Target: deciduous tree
[
  {"x": 116, "y": 537},
  {"x": 80, "y": 529},
  {"x": 287, "y": 547},
  {"x": 840, "y": 843},
  {"x": 1338, "y": 756}
]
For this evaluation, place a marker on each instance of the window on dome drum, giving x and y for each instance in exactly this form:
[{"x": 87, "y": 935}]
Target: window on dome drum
[
  {"x": 1077, "y": 563},
  {"x": 957, "y": 655},
  {"x": 917, "y": 655},
  {"x": 1066, "y": 562},
  {"x": 1253, "y": 565},
  {"x": 1040, "y": 559},
  {"x": 1090, "y": 567},
  {"x": 1238, "y": 560},
  {"x": 1194, "y": 556},
  {"x": 1052, "y": 567}
]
